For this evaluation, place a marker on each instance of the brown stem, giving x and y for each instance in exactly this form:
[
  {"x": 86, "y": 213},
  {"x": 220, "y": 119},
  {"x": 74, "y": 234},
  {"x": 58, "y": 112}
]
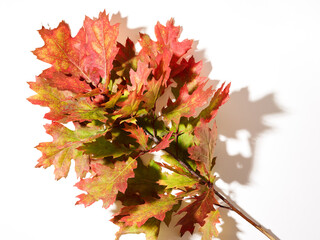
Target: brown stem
[
  {"x": 153, "y": 125},
  {"x": 233, "y": 208},
  {"x": 202, "y": 180}
]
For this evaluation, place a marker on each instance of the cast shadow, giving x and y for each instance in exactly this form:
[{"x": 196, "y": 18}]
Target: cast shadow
[
  {"x": 124, "y": 30},
  {"x": 240, "y": 115},
  {"x": 230, "y": 228},
  {"x": 241, "y": 120},
  {"x": 199, "y": 55}
]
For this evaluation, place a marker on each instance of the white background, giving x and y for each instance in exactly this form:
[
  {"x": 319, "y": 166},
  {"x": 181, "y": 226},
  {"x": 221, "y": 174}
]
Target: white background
[{"x": 268, "y": 156}]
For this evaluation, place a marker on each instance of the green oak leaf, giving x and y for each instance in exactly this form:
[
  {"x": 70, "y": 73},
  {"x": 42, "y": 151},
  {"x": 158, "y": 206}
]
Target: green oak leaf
[
  {"x": 178, "y": 181},
  {"x": 103, "y": 148},
  {"x": 157, "y": 208},
  {"x": 150, "y": 228}
]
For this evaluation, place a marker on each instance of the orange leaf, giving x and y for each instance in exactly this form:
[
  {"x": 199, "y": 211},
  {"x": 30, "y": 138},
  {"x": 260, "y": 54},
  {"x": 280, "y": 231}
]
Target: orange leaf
[
  {"x": 168, "y": 36},
  {"x": 220, "y": 97},
  {"x": 139, "y": 78},
  {"x": 62, "y": 51},
  {"x": 64, "y": 81},
  {"x": 164, "y": 143},
  {"x": 138, "y": 134}
]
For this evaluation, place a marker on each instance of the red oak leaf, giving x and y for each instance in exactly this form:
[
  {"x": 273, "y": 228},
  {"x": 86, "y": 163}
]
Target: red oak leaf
[
  {"x": 163, "y": 69},
  {"x": 168, "y": 36},
  {"x": 170, "y": 48},
  {"x": 220, "y": 97},
  {"x": 139, "y": 78},
  {"x": 125, "y": 60},
  {"x": 126, "y": 52},
  {"x": 106, "y": 182},
  {"x": 64, "y": 52},
  {"x": 149, "y": 50},
  {"x": 138, "y": 134},
  {"x": 64, "y": 81},
  {"x": 166, "y": 51},
  {"x": 197, "y": 211},
  {"x": 186, "y": 104},
  {"x": 101, "y": 47},
  {"x": 186, "y": 71}
]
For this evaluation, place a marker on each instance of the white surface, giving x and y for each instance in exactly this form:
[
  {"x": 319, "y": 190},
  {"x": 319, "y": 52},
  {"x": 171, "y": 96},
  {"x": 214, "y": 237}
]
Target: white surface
[{"x": 268, "y": 156}]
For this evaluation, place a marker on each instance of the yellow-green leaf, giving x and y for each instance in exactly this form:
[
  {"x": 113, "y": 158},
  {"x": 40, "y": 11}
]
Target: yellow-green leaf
[
  {"x": 176, "y": 180},
  {"x": 157, "y": 208},
  {"x": 64, "y": 148},
  {"x": 103, "y": 148},
  {"x": 150, "y": 229},
  {"x": 106, "y": 182}
]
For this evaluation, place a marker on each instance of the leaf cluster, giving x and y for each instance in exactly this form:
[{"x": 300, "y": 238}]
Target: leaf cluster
[{"x": 126, "y": 105}]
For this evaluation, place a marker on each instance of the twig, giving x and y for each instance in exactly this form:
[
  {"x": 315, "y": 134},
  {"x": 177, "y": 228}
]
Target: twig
[
  {"x": 203, "y": 180},
  {"x": 233, "y": 208}
]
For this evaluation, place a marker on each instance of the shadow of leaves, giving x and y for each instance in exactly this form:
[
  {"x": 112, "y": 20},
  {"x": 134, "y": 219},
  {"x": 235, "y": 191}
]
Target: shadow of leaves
[{"x": 241, "y": 114}]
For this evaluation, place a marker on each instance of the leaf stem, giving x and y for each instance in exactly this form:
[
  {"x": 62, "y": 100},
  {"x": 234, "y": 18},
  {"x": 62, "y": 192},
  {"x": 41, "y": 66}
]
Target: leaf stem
[
  {"x": 203, "y": 180},
  {"x": 185, "y": 165},
  {"x": 219, "y": 205}
]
